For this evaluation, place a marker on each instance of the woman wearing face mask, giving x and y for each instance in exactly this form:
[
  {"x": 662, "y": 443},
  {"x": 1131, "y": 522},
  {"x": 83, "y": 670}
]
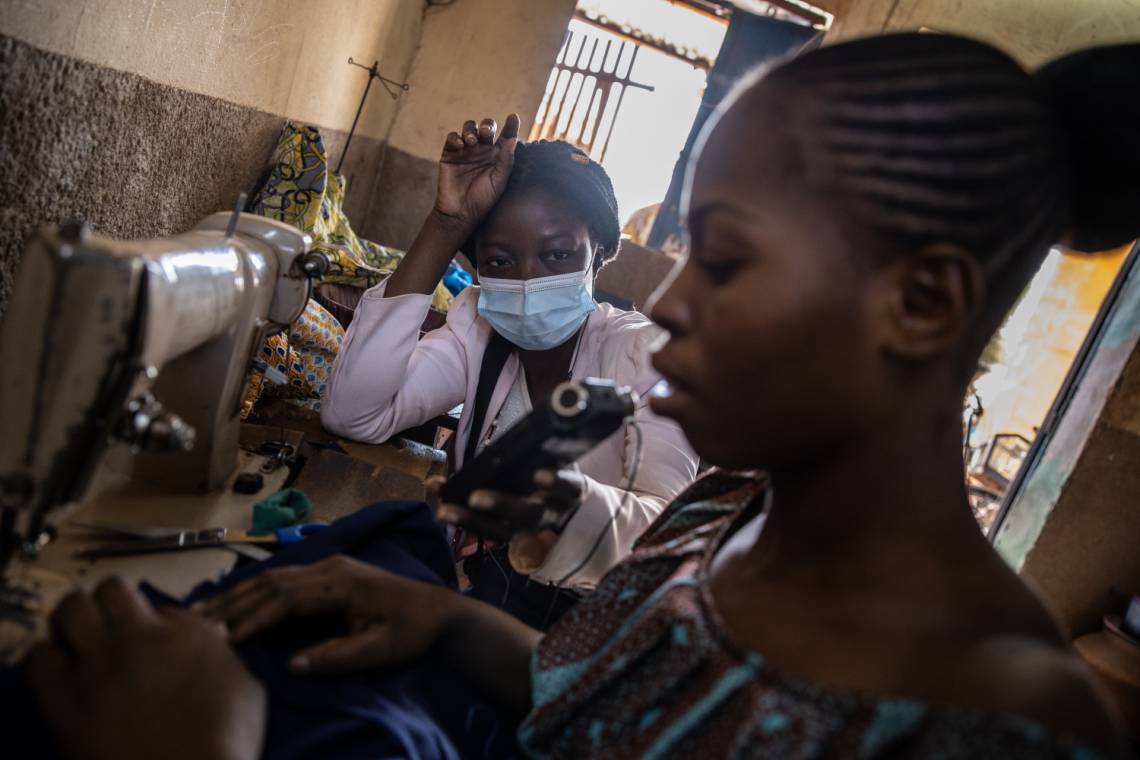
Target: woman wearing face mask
[{"x": 539, "y": 219}]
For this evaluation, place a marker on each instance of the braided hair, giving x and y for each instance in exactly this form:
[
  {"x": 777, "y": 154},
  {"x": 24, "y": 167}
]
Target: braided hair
[
  {"x": 933, "y": 138},
  {"x": 566, "y": 172}
]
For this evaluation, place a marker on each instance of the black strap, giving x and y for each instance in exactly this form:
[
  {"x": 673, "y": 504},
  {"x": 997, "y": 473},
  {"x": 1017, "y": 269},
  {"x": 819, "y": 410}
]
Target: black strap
[
  {"x": 494, "y": 359},
  {"x": 494, "y": 581}
]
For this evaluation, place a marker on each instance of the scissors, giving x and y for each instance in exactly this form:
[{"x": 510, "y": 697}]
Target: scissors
[{"x": 155, "y": 540}]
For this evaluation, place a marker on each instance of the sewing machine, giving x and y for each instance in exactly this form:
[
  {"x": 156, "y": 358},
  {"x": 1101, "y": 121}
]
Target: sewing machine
[
  {"x": 122, "y": 370},
  {"x": 122, "y": 367}
]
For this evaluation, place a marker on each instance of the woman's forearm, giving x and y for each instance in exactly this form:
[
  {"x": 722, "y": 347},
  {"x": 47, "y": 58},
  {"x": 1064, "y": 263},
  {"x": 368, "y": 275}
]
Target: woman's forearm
[
  {"x": 426, "y": 261},
  {"x": 492, "y": 650}
]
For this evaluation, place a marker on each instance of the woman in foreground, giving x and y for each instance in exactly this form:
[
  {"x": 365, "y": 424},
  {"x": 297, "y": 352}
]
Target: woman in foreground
[{"x": 862, "y": 218}]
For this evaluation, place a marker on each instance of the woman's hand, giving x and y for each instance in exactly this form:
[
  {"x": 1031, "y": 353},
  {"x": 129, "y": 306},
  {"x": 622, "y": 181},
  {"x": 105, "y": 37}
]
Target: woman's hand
[
  {"x": 473, "y": 173},
  {"x": 500, "y": 516},
  {"x": 391, "y": 619},
  {"x": 474, "y": 169},
  {"x": 122, "y": 680}
]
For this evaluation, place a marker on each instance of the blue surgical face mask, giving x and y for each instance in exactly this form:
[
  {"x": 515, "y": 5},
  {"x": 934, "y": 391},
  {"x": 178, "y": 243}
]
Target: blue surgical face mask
[{"x": 540, "y": 313}]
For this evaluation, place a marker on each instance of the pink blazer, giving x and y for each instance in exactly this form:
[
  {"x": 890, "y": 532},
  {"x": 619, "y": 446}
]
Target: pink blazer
[{"x": 386, "y": 379}]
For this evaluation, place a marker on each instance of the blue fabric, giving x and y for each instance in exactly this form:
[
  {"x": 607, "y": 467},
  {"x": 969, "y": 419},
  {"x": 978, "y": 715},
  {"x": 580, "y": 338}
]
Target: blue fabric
[
  {"x": 455, "y": 279},
  {"x": 422, "y": 711}
]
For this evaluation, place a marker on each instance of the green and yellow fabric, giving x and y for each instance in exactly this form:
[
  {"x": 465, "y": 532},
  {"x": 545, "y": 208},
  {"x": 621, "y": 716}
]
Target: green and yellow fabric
[{"x": 302, "y": 190}]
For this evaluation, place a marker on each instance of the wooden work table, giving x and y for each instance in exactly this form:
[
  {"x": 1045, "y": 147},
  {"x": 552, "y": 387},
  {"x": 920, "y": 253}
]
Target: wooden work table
[{"x": 339, "y": 477}]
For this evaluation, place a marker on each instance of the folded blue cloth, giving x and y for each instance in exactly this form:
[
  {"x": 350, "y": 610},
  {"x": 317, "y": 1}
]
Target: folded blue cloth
[{"x": 420, "y": 711}]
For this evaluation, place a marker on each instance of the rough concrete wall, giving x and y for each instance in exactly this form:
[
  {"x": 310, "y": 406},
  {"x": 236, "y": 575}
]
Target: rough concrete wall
[
  {"x": 1085, "y": 557},
  {"x": 1072, "y": 526},
  {"x": 403, "y": 196},
  {"x": 286, "y": 57},
  {"x": 477, "y": 58},
  {"x": 132, "y": 157},
  {"x": 1033, "y": 31}
]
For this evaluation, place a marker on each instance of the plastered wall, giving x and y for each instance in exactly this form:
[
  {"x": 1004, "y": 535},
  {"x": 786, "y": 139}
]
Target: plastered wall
[
  {"x": 1033, "y": 31},
  {"x": 480, "y": 58},
  {"x": 477, "y": 58},
  {"x": 284, "y": 57}
]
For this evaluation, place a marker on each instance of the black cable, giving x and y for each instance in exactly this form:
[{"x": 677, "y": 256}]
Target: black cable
[
  {"x": 621, "y": 507},
  {"x": 506, "y": 578}
]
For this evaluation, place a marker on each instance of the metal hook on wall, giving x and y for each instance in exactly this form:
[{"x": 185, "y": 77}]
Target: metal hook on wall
[{"x": 388, "y": 84}]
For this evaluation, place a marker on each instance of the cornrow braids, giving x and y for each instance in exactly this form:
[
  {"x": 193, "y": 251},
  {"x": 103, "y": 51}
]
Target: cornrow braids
[
  {"x": 938, "y": 139},
  {"x": 931, "y": 138},
  {"x": 568, "y": 173}
]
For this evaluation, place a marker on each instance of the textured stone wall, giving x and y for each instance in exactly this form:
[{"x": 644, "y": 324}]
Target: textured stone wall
[{"x": 403, "y": 196}]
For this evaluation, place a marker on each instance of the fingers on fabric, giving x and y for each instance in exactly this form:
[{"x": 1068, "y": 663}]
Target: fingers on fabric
[
  {"x": 185, "y": 618},
  {"x": 123, "y": 607},
  {"x": 368, "y": 649},
  {"x": 271, "y": 597},
  {"x": 77, "y": 624}
]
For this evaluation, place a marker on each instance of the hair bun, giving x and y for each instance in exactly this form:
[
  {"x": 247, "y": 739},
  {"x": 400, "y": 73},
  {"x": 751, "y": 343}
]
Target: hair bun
[{"x": 1097, "y": 94}]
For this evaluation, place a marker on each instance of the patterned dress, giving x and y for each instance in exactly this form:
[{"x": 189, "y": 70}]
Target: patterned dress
[
  {"x": 642, "y": 668},
  {"x": 302, "y": 190}
]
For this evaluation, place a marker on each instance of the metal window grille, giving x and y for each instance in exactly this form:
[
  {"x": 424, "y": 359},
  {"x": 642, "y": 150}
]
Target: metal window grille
[{"x": 585, "y": 92}]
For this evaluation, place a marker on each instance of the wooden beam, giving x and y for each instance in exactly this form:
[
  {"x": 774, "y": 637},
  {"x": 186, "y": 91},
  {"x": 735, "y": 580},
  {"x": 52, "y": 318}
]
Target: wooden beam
[
  {"x": 804, "y": 11},
  {"x": 719, "y": 10},
  {"x": 834, "y": 7},
  {"x": 667, "y": 49}
]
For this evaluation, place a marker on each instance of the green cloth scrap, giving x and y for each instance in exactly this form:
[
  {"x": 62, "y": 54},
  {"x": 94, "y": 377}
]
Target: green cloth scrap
[{"x": 284, "y": 508}]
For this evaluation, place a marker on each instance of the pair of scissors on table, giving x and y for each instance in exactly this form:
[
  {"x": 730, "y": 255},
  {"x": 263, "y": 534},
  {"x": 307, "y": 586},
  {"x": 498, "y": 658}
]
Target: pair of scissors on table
[{"x": 154, "y": 540}]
